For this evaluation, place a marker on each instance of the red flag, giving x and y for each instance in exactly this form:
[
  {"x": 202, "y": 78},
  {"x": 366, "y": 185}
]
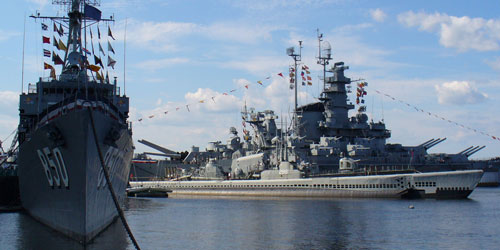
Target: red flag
[
  {"x": 47, "y": 66},
  {"x": 46, "y": 53},
  {"x": 280, "y": 74},
  {"x": 46, "y": 39},
  {"x": 246, "y": 86},
  {"x": 56, "y": 59}
]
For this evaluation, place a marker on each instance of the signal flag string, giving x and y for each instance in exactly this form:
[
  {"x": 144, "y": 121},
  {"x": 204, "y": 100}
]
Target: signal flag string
[
  {"x": 437, "y": 116},
  {"x": 262, "y": 83}
]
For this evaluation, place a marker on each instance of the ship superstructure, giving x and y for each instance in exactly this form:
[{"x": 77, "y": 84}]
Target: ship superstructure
[
  {"x": 325, "y": 152},
  {"x": 62, "y": 183}
]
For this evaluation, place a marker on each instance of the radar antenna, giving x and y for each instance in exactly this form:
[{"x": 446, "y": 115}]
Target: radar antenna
[{"x": 324, "y": 54}]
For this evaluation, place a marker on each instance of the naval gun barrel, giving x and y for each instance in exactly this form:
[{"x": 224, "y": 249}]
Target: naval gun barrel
[
  {"x": 465, "y": 150},
  {"x": 434, "y": 143},
  {"x": 157, "y": 147},
  {"x": 474, "y": 151},
  {"x": 427, "y": 142},
  {"x": 162, "y": 154},
  {"x": 472, "y": 148}
]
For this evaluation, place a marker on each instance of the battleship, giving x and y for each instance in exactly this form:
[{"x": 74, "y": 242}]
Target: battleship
[
  {"x": 325, "y": 153},
  {"x": 64, "y": 120}
]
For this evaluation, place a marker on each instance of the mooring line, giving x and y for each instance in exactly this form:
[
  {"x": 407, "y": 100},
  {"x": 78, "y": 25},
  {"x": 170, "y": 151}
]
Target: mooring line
[{"x": 110, "y": 187}]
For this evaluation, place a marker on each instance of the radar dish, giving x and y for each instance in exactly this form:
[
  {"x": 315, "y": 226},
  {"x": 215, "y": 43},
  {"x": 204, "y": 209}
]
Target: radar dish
[{"x": 74, "y": 58}]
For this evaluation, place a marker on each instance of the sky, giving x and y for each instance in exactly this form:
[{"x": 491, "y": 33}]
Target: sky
[{"x": 442, "y": 58}]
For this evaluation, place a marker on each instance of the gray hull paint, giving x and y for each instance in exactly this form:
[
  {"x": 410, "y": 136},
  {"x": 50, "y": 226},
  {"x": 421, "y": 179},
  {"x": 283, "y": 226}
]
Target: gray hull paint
[
  {"x": 84, "y": 208},
  {"x": 454, "y": 184}
]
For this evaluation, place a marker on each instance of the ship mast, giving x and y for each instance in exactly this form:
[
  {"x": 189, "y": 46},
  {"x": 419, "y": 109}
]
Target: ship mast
[
  {"x": 324, "y": 59},
  {"x": 296, "y": 58},
  {"x": 76, "y": 20},
  {"x": 74, "y": 35}
]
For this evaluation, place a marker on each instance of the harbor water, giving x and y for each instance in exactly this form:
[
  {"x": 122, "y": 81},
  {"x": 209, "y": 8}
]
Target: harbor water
[{"x": 278, "y": 223}]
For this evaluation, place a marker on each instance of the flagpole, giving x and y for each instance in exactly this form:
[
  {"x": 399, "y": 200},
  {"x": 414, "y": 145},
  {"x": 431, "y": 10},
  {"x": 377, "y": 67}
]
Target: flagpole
[{"x": 22, "y": 68}]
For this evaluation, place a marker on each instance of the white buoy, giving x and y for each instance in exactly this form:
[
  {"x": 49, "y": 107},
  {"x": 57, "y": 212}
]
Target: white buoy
[{"x": 411, "y": 207}]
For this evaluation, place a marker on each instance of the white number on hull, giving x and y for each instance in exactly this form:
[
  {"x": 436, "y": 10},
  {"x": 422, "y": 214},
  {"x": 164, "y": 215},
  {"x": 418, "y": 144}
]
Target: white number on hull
[
  {"x": 112, "y": 160},
  {"x": 55, "y": 171},
  {"x": 46, "y": 168},
  {"x": 52, "y": 165},
  {"x": 62, "y": 166}
]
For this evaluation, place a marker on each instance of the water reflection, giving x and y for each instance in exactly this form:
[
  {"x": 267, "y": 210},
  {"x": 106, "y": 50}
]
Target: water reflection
[
  {"x": 34, "y": 235},
  {"x": 282, "y": 223}
]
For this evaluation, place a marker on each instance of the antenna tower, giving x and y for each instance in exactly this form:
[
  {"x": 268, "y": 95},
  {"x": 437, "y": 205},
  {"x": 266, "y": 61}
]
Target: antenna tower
[
  {"x": 323, "y": 59},
  {"x": 296, "y": 58}
]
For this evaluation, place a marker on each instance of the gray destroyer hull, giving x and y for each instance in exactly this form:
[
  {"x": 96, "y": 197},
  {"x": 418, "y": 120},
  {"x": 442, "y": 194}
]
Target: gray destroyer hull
[{"x": 62, "y": 184}]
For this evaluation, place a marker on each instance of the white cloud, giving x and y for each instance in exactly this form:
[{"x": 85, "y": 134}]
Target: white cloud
[
  {"x": 154, "y": 35},
  {"x": 238, "y": 32},
  {"x": 378, "y": 15},
  {"x": 213, "y": 101},
  {"x": 9, "y": 101},
  {"x": 164, "y": 35},
  {"x": 349, "y": 28},
  {"x": 266, "y": 5},
  {"x": 494, "y": 64},
  {"x": 158, "y": 102},
  {"x": 258, "y": 64},
  {"x": 161, "y": 63},
  {"x": 9, "y": 98},
  {"x": 459, "y": 92},
  {"x": 6, "y": 35},
  {"x": 40, "y": 3},
  {"x": 463, "y": 33}
]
